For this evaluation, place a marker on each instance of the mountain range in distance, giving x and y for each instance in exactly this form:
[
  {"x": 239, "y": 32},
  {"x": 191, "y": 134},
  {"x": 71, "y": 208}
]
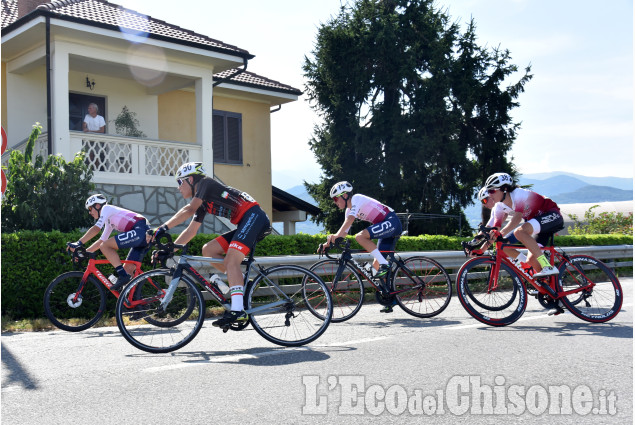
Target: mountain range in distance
[{"x": 562, "y": 187}]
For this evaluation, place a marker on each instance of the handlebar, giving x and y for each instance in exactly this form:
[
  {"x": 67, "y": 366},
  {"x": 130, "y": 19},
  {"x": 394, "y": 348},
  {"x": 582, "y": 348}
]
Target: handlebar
[
  {"x": 474, "y": 246},
  {"x": 80, "y": 255},
  {"x": 340, "y": 243}
]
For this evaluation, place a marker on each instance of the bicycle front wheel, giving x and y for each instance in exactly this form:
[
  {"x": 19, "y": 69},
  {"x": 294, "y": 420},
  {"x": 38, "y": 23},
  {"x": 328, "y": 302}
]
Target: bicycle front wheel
[
  {"x": 73, "y": 305},
  {"x": 152, "y": 327},
  {"x": 495, "y": 304},
  {"x": 597, "y": 293},
  {"x": 347, "y": 289},
  {"x": 423, "y": 287},
  {"x": 282, "y": 302}
]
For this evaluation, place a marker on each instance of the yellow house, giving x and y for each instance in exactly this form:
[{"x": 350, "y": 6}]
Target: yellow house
[{"x": 189, "y": 98}]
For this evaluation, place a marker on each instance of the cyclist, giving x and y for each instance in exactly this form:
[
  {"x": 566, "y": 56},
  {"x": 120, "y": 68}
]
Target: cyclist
[
  {"x": 541, "y": 215},
  {"x": 385, "y": 224},
  {"x": 211, "y": 196},
  {"x": 132, "y": 228}
]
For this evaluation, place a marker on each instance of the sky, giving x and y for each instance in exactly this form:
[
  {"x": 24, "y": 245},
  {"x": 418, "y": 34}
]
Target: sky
[{"x": 576, "y": 112}]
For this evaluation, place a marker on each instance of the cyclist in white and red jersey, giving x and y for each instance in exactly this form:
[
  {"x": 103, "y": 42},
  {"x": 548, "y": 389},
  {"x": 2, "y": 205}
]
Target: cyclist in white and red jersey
[
  {"x": 213, "y": 197},
  {"x": 541, "y": 215},
  {"x": 385, "y": 225},
  {"x": 132, "y": 229}
]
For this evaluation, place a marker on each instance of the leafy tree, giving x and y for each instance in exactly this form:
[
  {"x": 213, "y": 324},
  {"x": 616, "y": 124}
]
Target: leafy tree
[
  {"x": 413, "y": 113},
  {"x": 45, "y": 194}
]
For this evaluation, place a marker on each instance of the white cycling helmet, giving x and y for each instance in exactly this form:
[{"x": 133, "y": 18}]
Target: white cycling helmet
[
  {"x": 482, "y": 194},
  {"x": 340, "y": 188},
  {"x": 95, "y": 199},
  {"x": 190, "y": 169},
  {"x": 497, "y": 180}
]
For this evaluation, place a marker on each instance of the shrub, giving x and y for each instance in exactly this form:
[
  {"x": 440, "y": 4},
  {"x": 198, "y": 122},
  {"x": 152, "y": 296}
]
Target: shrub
[{"x": 602, "y": 223}]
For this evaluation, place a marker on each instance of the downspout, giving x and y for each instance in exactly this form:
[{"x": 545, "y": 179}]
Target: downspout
[
  {"x": 49, "y": 125},
  {"x": 238, "y": 71},
  {"x": 271, "y": 111}
]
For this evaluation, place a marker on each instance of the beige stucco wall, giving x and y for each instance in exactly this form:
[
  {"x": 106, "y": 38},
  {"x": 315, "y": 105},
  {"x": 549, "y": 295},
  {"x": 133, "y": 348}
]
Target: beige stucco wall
[
  {"x": 177, "y": 121},
  {"x": 27, "y": 92},
  {"x": 4, "y": 96}
]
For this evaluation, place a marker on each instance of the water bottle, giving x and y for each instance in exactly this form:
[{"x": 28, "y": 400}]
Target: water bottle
[
  {"x": 112, "y": 278},
  {"x": 368, "y": 268},
  {"x": 220, "y": 283}
]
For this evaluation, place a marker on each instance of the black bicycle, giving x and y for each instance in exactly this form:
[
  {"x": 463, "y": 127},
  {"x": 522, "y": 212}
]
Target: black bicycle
[
  {"x": 280, "y": 301},
  {"x": 419, "y": 285}
]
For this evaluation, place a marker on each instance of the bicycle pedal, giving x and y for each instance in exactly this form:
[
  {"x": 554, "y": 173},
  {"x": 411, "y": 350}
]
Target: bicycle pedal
[
  {"x": 225, "y": 329},
  {"x": 555, "y": 312}
]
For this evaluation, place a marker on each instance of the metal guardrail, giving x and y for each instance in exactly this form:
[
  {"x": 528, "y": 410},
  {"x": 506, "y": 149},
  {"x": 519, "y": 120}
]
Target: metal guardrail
[{"x": 613, "y": 256}]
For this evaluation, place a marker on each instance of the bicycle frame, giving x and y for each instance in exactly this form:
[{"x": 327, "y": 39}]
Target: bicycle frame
[
  {"x": 544, "y": 288},
  {"x": 184, "y": 266}
]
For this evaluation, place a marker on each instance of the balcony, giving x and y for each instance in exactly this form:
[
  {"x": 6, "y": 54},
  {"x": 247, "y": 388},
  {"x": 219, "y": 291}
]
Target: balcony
[{"x": 125, "y": 160}]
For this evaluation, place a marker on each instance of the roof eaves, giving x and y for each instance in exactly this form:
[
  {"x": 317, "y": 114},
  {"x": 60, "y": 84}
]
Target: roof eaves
[{"x": 46, "y": 13}]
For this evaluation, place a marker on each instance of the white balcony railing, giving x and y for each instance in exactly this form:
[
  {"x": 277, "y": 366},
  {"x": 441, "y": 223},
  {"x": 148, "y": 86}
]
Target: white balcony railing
[{"x": 125, "y": 160}]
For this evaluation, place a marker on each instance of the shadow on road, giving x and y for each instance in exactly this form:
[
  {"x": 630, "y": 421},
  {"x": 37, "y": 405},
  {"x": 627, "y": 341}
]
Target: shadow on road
[{"x": 17, "y": 373}]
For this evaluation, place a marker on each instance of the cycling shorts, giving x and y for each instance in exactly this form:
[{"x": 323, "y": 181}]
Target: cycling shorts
[
  {"x": 243, "y": 238},
  {"x": 135, "y": 239},
  {"x": 386, "y": 232},
  {"x": 545, "y": 225}
]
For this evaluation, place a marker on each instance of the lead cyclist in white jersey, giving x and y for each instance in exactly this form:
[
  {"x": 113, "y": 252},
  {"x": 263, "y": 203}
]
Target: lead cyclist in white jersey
[{"x": 385, "y": 225}]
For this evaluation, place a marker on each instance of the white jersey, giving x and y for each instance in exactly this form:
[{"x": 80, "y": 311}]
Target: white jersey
[
  {"x": 116, "y": 218},
  {"x": 367, "y": 209}
]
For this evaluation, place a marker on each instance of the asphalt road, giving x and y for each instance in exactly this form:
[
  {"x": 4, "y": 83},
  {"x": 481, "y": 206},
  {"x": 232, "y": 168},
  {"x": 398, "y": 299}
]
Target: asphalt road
[{"x": 393, "y": 367}]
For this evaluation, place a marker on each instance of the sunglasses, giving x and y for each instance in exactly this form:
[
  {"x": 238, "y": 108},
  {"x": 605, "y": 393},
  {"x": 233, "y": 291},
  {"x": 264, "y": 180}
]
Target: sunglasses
[
  {"x": 491, "y": 191},
  {"x": 180, "y": 181},
  {"x": 335, "y": 198}
]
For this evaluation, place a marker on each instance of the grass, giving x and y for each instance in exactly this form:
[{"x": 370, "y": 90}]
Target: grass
[{"x": 35, "y": 325}]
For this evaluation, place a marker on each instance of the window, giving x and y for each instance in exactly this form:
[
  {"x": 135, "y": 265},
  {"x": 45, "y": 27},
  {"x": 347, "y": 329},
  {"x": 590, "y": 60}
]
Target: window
[
  {"x": 78, "y": 108},
  {"x": 228, "y": 137}
]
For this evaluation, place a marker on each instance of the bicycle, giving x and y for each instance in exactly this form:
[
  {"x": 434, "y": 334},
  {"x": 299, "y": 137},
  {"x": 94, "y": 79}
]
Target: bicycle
[
  {"x": 420, "y": 285},
  {"x": 74, "y": 301},
  {"x": 272, "y": 299},
  {"x": 492, "y": 287}
]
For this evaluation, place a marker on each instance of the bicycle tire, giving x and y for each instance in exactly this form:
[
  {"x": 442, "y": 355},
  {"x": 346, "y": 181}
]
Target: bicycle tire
[
  {"x": 290, "y": 323},
  {"x": 69, "y": 315},
  {"x": 347, "y": 295},
  {"x": 598, "y": 304},
  {"x": 473, "y": 285},
  {"x": 430, "y": 287},
  {"x": 182, "y": 320}
]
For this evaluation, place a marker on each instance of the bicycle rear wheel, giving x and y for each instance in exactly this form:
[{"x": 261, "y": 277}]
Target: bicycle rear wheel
[
  {"x": 347, "y": 292},
  {"x": 72, "y": 305},
  {"x": 285, "y": 314},
  {"x": 171, "y": 327},
  {"x": 598, "y": 296},
  {"x": 501, "y": 305},
  {"x": 426, "y": 286}
]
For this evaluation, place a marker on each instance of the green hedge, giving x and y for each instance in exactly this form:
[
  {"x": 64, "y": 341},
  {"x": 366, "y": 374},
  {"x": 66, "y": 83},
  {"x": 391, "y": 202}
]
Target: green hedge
[{"x": 32, "y": 259}]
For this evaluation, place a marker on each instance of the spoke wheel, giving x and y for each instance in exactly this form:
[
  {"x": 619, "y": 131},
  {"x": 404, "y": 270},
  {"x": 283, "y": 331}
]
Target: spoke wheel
[
  {"x": 423, "y": 287},
  {"x": 347, "y": 291}
]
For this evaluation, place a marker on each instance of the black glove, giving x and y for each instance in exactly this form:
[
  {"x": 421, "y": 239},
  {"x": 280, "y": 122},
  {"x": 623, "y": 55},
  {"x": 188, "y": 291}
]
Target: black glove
[
  {"x": 75, "y": 245},
  {"x": 159, "y": 231}
]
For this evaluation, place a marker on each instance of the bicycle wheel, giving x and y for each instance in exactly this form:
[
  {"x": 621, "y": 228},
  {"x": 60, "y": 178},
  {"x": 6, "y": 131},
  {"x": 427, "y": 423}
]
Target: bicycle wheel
[
  {"x": 423, "y": 287},
  {"x": 495, "y": 306},
  {"x": 598, "y": 293},
  {"x": 172, "y": 327},
  {"x": 281, "y": 314},
  {"x": 347, "y": 293},
  {"x": 72, "y": 305}
]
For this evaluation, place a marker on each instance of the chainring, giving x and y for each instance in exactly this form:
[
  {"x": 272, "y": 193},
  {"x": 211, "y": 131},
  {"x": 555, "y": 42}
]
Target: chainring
[
  {"x": 546, "y": 301},
  {"x": 384, "y": 299}
]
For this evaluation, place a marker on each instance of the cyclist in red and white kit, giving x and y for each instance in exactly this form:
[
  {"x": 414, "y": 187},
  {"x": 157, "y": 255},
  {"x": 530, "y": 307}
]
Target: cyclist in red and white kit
[
  {"x": 132, "y": 229},
  {"x": 541, "y": 215},
  {"x": 213, "y": 197},
  {"x": 385, "y": 224}
]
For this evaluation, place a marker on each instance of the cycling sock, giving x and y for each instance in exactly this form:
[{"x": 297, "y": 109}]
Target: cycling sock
[
  {"x": 380, "y": 258},
  {"x": 120, "y": 271},
  {"x": 543, "y": 261},
  {"x": 237, "y": 297}
]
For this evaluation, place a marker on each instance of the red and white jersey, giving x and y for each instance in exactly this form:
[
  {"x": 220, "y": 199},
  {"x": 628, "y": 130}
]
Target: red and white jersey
[
  {"x": 529, "y": 203},
  {"x": 116, "y": 218},
  {"x": 367, "y": 209}
]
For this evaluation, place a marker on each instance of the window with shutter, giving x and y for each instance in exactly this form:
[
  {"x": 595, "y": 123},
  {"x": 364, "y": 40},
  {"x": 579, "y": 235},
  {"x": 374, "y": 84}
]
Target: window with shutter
[{"x": 227, "y": 137}]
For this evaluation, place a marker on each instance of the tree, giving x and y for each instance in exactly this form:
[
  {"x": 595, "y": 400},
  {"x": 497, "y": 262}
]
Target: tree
[
  {"x": 409, "y": 107},
  {"x": 45, "y": 194}
]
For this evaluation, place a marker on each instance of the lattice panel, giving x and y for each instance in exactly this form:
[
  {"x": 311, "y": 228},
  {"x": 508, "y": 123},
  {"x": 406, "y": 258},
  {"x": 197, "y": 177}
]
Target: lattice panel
[
  {"x": 163, "y": 161},
  {"x": 111, "y": 157}
]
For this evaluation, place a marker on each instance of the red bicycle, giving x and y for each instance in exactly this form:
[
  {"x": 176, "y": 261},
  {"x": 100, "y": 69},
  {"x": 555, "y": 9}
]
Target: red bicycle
[
  {"x": 76, "y": 300},
  {"x": 492, "y": 287}
]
